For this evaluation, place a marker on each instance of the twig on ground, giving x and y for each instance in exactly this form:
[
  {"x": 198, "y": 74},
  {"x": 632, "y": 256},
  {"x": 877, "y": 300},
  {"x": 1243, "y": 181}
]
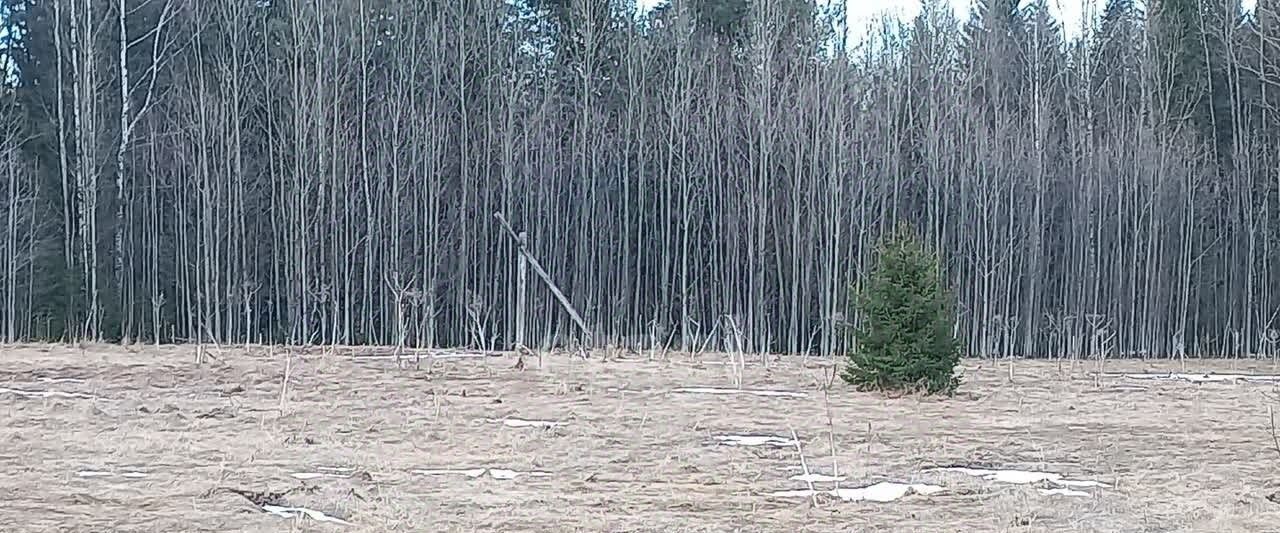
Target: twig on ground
[
  {"x": 813, "y": 494},
  {"x": 1274, "y": 439}
]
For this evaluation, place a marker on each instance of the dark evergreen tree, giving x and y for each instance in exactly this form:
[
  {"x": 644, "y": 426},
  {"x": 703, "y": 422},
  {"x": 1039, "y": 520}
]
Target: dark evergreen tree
[{"x": 904, "y": 337}]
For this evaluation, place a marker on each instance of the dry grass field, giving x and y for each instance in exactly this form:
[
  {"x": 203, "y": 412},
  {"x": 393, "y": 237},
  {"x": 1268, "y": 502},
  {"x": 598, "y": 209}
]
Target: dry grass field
[{"x": 105, "y": 438}]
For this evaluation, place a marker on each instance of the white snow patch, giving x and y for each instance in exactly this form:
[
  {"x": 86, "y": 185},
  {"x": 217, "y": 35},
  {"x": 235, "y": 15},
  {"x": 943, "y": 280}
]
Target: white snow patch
[
  {"x": 134, "y": 475},
  {"x": 723, "y": 391},
  {"x": 882, "y": 492},
  {"x": 495, "y": 473},
  {"x": 335, "y": 469},
  {"x": 1064, "y": 492},
  {"x": 518, "y": 423},
  {"x": 813, "y": 477},
  {"x": 469, "y": 472},
  {"x": 498, "y": 473},
  {"x": 754, "y": 440},
  {"x": 1025, "y": 477},
  {"x": 295, "y": 512},
  {"x": 46, "y": 394},
  {"x": 315, "y": 475},
  {"x": 1199, "y": 378}
]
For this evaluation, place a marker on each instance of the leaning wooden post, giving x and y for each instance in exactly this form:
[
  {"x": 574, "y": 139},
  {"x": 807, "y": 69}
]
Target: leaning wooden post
[{"x": 546, "y": 278}]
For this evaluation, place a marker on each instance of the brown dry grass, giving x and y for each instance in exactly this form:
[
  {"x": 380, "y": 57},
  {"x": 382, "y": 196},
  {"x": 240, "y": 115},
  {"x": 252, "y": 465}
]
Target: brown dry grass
[{"x": 631, "y": 456}]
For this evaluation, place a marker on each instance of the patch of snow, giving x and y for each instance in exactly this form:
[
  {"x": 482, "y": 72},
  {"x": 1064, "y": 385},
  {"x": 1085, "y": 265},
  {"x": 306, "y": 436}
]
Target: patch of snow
[
  {"x": 882, "y": 492},
  {"x": 1064, "y": 492},
  {"x": 495, "y": 473},
  {"x": 46, "y": 394},
  {"x": 815, "y": 478},
  {"x": 295, "y": 512},
  {"x": 498, "y": 473},
  {"x": 518, "y": 423},
  {"x": 754, "y": 440},
  {"x": 336, "y": 469},
  {"x": 134, "y": 475},
  {"x": 315, "y": 475},
  {"x": 1199, "y": 378},
  {"x": 1018, "y": 477},
  {"x": 1025, "y": 477},
  {"x": 724, "y": 391},
  {"x": 469, "y": 472}
]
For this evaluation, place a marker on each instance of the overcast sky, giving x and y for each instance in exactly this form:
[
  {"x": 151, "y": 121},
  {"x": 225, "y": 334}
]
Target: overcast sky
[{"x": 1069, "y": 12}]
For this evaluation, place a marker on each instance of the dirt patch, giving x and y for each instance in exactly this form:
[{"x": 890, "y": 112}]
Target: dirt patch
[{"x": 140, "y": 439}]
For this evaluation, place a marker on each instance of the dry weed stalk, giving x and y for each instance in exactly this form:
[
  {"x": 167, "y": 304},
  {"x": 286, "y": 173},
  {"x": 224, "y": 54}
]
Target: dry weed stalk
[
  {"x": 1274, "y": 439},
  {"x": 804, "y": 466},
  {"x": 284, "y": 383},
  {"x": 737, "y": 366}
]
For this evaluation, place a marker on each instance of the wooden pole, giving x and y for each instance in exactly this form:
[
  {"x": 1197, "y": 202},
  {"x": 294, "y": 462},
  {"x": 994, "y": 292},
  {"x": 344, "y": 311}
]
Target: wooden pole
[
  {"x": 522, "y": 276},
  {"x": 546, "y": 278}
]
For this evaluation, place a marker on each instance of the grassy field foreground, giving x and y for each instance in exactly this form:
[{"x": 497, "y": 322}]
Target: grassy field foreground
[{"x": 141, "y": 439}]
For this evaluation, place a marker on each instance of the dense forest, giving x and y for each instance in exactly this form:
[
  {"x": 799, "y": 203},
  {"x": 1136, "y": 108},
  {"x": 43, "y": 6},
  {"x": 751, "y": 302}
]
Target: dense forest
[{"x": 706, "y": 174}]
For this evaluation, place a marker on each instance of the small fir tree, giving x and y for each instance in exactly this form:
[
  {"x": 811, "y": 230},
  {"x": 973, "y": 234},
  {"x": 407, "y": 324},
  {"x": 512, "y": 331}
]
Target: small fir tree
[{"x": 904, "y": 339}]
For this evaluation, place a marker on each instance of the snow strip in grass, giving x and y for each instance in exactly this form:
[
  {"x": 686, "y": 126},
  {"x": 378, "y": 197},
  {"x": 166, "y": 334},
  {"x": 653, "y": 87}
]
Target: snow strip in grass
[
  {"x": 754, "y": 440},
  {"x": 724, "y": 391},
  {"x": 295, "y": 512},
  {"x": 814, "y": 477},
  {"x": 495, "y": 473},
  {"x": 46, "y": 394},
  {"x": 882, "y": 492},
  {"x": 518, "y": 423},
  {"x": 307, "y": 476},
  {"x": 1025, "y": 477},
  {"x": 1199, "y": 378}
]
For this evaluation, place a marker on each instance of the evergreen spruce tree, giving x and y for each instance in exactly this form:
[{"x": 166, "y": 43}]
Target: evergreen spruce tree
[{"x": 904, "y": 337}]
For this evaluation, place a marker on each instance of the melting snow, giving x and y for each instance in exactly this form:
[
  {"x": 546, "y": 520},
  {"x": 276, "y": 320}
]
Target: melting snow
[
  {"x": 1024, "y": 477},
  {"x": 61, "y": 380},
  {"x": 46, "y": 394},
  {"x": 754, "y": 440},
  {"x": 716, "y": 390},
  {"x": 815, "y": 478},
  {"x": 315, "y": 475},
  {"x": 294, "y": 512},
  {"x": 495, "y": 473},
  {"x": 880, "y": 492},
  {"x": 498, "y": 473},
  {"x": 1200, "y": 378},
  {"x": 470, "y": 472}
]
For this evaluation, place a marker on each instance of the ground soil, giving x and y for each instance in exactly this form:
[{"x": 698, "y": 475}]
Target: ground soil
[{"x": 204, "y": 441}]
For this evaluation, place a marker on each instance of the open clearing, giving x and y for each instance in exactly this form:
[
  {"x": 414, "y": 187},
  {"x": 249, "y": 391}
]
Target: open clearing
[{"x": 111, "y": 438}]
